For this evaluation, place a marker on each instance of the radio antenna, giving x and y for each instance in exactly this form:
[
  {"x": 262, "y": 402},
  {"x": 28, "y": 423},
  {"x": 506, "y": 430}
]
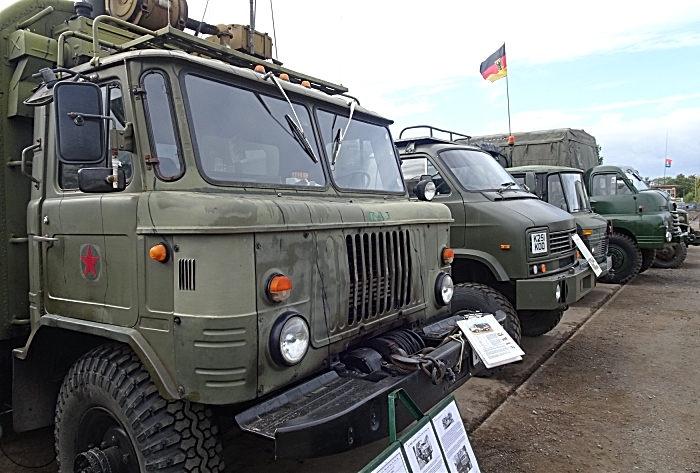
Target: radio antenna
[
  {"x": 199, "y": 27},
  {"x": 274, "y": 33}
]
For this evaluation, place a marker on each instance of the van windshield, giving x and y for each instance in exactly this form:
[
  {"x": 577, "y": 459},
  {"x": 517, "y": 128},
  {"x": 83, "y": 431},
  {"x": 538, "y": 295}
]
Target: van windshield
[
  {"x": 243, "y": 137},
  {"x": 476, "y": 170},
  {"x": 576, "y": 196}
]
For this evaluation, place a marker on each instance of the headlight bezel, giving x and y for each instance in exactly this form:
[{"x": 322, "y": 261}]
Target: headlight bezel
[
  {"x": 444, "y": 282},
  {"x": 277, "y": 336}
]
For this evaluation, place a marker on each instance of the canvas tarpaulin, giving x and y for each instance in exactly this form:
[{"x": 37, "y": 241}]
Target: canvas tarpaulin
[{"x": 562, "y": 147}]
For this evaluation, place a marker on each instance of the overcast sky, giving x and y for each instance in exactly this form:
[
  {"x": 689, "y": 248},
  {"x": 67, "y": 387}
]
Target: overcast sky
[{"x": 626, "y": 72}]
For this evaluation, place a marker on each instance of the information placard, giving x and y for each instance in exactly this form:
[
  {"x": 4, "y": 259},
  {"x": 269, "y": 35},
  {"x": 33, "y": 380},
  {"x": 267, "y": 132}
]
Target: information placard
[
  {"x": 587, "y": 255},
  {"x": 454, "y": 441}
]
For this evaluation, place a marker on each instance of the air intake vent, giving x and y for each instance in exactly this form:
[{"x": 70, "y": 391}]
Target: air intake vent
[
  {"x": 561, "y": 242},
  {"x": 380, "y": 268},
  {"x": 186, "y": 269}
]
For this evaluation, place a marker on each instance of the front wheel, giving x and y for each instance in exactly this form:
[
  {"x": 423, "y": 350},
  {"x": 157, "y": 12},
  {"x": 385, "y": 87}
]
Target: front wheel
[
  {"x": 538, "y": 322},
  {"x": 111, "y": 418},
  {"x": 671, "y": 256},
  {"x": 473, "y": 296},
  {"x": 648, "y": 257},
  {"x": 626, "y": 259}
]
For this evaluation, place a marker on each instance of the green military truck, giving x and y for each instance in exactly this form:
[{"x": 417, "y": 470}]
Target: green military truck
[
  {"x": 564, "y": 187},
  {"x": 185, "y": 239},
  {"x": 645, "y": 221},
  {"x": 508, "y": 244}
]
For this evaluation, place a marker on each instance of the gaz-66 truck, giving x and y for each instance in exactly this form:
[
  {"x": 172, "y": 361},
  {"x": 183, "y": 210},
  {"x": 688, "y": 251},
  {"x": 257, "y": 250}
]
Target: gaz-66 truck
[
  {"x": 515, "y": 251},
  {"x": 564, "y": 187},
  {"x": 184, "y": 237}
]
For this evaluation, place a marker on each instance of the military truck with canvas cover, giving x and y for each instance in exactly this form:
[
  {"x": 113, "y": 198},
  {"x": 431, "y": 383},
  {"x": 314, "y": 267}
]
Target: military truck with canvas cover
[
  {"x": 186, "y": 238},
  {"x": 563, "y": 147},
  {"x": 507, "y": 242},
  {"x": 645, "y": 221},
  {"x": 564, "y": 187}
]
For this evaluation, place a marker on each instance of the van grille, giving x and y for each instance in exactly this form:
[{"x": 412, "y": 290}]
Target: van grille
[
  {"x": 676, "y": 223},
  {"x": 380, "y": 268},
  {"x": 186, "y": 270},
  {"x": 561, "y": 242}
]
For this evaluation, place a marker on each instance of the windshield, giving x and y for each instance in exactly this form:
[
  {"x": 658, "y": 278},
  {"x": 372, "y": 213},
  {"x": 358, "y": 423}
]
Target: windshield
[
  {"x": 243, "y": 137},
  {"x": 636, "y": 179},
  {"x": 576, "y": 196},
  {"x": 476, "y": 170},
  {"x": 367, "y": 158}
]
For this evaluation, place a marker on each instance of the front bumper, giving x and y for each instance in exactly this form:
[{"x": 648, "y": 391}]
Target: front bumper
[
  {"x": 333, "y": 413},
  {"x": 605, "y": 265},
  {"x": 540, "y": 293}
]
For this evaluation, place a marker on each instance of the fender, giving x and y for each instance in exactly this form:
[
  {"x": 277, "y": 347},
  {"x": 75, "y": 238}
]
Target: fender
[
  {"x": 40, "y": 366},
  {"x": 487, "y": 259}
]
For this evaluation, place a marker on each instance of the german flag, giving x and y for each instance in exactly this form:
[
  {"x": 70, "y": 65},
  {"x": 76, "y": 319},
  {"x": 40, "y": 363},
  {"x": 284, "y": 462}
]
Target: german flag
[{"x": 494, "y": 67}]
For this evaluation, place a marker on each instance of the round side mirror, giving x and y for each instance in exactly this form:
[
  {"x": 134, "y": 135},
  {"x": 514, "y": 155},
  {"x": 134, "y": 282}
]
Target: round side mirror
[{"x": 425, "y": 190}]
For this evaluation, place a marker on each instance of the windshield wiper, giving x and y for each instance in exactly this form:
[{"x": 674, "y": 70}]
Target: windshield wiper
[
  {"x": 339, "y": 137},
  {"x": 296, "y": 127},
  {"x": 505, "y": 186}
]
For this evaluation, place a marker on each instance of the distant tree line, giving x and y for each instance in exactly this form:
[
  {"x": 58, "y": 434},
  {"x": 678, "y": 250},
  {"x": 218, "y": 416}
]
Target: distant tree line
[{"x": 685, "y": 185}]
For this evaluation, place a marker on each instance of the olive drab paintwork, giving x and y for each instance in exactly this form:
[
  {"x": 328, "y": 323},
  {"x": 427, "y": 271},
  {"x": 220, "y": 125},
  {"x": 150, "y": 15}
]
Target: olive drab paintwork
[{"x": 201, "y": 320}]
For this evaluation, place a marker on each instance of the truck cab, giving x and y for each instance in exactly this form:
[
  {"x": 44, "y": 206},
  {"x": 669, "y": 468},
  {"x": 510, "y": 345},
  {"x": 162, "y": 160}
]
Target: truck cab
[
  {"x": 503, "y": 237},
  {"x": 564, "y": 187},
  {"x": 195, "y": 232},
  {"x": 644, "y": 220}
]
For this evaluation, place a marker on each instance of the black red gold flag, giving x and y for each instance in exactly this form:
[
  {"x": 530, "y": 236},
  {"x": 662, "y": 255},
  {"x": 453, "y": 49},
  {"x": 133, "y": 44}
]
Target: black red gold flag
[{"x": 495, "y": 67}]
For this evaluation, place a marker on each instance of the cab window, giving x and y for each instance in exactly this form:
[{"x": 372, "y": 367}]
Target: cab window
[
  {"x": 161, "y": 126},
  {"x": 114, "y": 107},
  {"x": 415, "y": 168},
  {"x": 609, "y": 184}
]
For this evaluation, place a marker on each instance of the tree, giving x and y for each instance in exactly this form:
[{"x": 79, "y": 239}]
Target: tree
[{"x": 600, "y": 156}]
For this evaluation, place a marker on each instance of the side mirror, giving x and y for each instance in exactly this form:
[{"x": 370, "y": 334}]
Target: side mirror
[
  {"x": 80, "y": 125},
  {"x": 426, "y": 177},
  {"x": 531, "y": 182},
  {"x": 99, "y": 180},
  {"x": 425, "y": 190}
]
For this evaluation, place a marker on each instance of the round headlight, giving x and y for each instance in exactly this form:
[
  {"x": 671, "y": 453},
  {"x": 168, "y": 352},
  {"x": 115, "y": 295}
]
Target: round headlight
[
  {"x": 425, "y": 190},
  {"x": 289, "y": 339},
  {"x": 669, "y": 237},
  {"x": 444, "y": 289},
  {"x": 557, "y": 292}
]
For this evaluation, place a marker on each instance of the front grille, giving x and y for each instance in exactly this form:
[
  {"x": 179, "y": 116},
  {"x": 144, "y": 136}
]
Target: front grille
[
  {"x": 186, "y": 273},
  {"x": 561, "y": 242},
  {"x": 676, "y": 222},
  {"x": 601, "y": 250},
  {"x": 380, "y": 268}
]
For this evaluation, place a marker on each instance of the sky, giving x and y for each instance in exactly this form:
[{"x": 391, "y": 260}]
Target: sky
[{"x": 625, "y": 72}]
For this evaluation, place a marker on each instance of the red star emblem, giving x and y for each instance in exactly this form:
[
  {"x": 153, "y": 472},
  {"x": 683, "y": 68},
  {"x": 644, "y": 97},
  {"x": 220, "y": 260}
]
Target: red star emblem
[{"x": 90, "y": 262}]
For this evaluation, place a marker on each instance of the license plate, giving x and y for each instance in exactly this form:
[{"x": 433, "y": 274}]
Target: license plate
[{"x": 538, "y": 242}]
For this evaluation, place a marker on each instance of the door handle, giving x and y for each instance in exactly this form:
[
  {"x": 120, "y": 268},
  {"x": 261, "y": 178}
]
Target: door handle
[{"x": 44, "y": 239}]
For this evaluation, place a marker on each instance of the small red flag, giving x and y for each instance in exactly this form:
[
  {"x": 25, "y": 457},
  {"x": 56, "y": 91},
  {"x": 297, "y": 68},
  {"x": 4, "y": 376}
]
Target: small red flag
[
  {"x": 495, "y": 66},
  {"x": 668, "y": 162}
]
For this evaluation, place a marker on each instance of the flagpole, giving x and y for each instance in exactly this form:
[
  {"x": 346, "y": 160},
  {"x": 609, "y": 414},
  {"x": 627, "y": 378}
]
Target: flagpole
[
  {"x": 508, "y": 97},
  {"x": 665, "y": 156}
]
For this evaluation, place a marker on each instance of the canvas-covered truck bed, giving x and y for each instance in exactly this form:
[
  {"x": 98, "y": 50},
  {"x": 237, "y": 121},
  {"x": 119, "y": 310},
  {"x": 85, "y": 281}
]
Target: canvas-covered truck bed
[{"x": 560, "y": 147}]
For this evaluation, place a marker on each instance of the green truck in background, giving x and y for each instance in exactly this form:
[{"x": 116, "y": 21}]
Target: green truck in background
[
  {"x": 507, "y": 243},
  {"x": 564, "y": 187},
  {"x": 644, "y": 221},
  {"x": 185, "y": 240}
]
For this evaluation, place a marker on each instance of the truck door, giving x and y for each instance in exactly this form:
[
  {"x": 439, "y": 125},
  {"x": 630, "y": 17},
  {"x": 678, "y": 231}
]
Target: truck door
[
  {"x": 90, "y": 240},
  {"x": 610, "y": 194}
]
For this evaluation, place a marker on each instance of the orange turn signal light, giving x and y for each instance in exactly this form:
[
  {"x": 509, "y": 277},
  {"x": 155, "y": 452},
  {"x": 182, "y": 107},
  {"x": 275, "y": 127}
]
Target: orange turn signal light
[
  {"x": 159, "y": 253},
  {"x": 448, "y": 255},
  {"x": 543, "y": 268},
  {"x": 578, "y": 255},
  {"x": 587, "y": 232},
  {"x": 306, "y": 83},
  {"x": 260, "y": 69},
  {"x": 284, "y": 76},
  {"x": 505, "y": 247},
  {"x": 279, "y": 288}
]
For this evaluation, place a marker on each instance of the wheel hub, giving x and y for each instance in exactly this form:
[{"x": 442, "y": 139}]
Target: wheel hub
[
  {"x": 95, "y": 460},
  {"x": 103, "y": 445}
]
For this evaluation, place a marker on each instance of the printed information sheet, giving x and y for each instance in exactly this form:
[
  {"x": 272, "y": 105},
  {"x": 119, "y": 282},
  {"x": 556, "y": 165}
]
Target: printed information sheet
[
  {"x": 423, "y": 452},
  {"x": 393, "y": 464},
  {"x": 587, "y": 254},
  {"x": 490, "y": 341},
  {"x": 454, "y": 440}
]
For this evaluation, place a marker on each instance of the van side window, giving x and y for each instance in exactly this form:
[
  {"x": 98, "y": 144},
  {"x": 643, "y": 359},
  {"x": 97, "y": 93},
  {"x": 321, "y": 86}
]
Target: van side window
[
  {"x": 415, "y": 168},
  {"x": 161, "y": 126},
  {"x": 609, "y": 184},
  {"x": 114, "y": 107}
]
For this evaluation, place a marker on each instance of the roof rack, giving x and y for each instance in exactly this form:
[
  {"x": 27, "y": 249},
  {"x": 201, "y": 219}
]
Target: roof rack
[{"x": 433, "y": 129}]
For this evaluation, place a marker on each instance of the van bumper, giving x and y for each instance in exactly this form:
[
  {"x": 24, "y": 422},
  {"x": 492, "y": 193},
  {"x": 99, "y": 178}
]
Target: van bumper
[{"x": 541, "y": 293}]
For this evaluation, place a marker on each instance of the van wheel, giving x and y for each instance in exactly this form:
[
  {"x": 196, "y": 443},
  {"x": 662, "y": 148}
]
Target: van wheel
[
  {"x": 538, "y": 322},
  {"x": 471, "y": 296},
  {"x": 671, "y": 256},
  {"x": 647, "y": 260},
  {"x": 626, "y": 259},
  {"x": 111, "y": 418}
]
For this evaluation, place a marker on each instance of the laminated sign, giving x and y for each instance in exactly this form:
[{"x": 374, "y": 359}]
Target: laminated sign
[{"x": 490, "y": 341}]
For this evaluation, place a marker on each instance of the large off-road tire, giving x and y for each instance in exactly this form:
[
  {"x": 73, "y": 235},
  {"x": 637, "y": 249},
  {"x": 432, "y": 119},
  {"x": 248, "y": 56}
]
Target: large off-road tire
[
  {"x": 470, "y": 296},
  {"x": 474, "y": 296},
  {"x": 538, "y": 322},
  {"x": 648, "y": 257},
  {"x": 110, "y": 417},
  {"x": 671, "y": 257},
  {"x": 626, "y": 259}
]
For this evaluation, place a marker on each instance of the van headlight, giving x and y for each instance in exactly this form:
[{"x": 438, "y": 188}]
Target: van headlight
[
  {"x": 444, "y": 289},
  {"x": 289, "y": 339}
]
